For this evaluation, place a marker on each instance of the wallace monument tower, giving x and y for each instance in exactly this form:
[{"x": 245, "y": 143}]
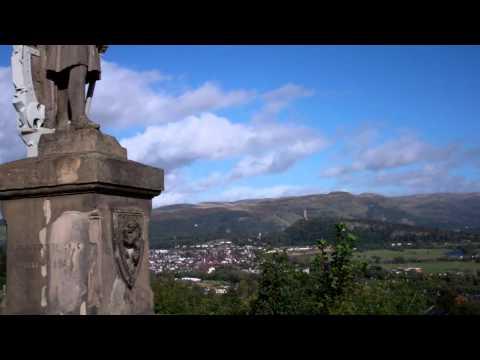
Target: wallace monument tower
[{"x": 77, "y": 210}]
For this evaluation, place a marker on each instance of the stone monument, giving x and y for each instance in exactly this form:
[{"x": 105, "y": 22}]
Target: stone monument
[{"x": 77, "y": 210}]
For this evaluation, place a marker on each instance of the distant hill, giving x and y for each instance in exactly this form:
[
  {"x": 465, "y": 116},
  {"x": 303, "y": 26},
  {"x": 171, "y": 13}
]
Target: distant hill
[
  {"x": 371, "y": 234},
  {"x": 187, "y": 223}
]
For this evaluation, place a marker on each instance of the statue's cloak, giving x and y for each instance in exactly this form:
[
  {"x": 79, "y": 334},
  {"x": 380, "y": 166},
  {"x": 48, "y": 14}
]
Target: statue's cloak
[{"x": 61, "y": 57}]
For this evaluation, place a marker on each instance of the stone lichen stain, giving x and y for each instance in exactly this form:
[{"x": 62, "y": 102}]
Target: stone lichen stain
[
  {"x": 43, "y": 301},
  {"x": 83, "y": 308},
  {"x": 47, "y": 211},
  {"x": 66, "y": 246},
  {"x": 67, "y": 172},
  {"x": 42, "y": 237}
]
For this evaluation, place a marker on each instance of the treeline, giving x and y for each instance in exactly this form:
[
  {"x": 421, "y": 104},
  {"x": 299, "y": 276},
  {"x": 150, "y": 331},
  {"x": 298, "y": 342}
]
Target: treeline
[
  {"x": 162, "y": 237},
  {"x": 182, "y": 298},
  {"x": 372, "y": 234}
]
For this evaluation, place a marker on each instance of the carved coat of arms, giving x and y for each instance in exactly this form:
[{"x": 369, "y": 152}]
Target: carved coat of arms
[{"x": 128, "y": 243}]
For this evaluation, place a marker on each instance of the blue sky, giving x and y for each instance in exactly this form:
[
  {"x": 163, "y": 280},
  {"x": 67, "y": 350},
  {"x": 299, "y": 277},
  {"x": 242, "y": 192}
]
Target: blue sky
[{"x": 232, "y": 122}]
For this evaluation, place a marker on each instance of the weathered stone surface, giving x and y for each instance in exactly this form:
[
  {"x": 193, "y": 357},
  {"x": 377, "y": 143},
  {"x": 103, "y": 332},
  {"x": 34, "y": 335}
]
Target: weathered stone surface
[
  {"x": 65, "y": 252},
  {"x": 60, "y": 256},
  {"x": 78, "y": 172},
  {"x": 80, "y": 141}
]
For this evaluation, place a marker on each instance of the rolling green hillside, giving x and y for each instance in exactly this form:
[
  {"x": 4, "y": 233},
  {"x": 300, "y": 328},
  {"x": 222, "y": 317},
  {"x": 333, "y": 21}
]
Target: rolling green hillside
[
  {"x": 371, "y": 234},
  {"x": 187, "y": 223}
]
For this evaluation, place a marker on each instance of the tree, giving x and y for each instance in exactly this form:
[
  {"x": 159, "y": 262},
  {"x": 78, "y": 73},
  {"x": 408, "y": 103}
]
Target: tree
[
  {"x": 334, "y": 271},
  {"x": 280, "y": 287},
  {"x": 384, "y": 297},
  {"x": 285, "y": 289}
]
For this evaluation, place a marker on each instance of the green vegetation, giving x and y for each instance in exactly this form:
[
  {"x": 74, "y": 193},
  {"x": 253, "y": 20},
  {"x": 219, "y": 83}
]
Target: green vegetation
[
  {"x": 285, "y": 289},
  {"x": 373, "y": 234},
  {"x": 422, "y": 220},
  {"x": 384, "y": 297},
  {"x": 203, "y": 226},
  {"x": 439, "y": 266},
  {"x": 241, "y": 228},
  {"x": 390, "y": 255},
  {"x": 177, "y": 297},
  {"x": 338, "y": 282},
  {"x": 429, "y": 260}
]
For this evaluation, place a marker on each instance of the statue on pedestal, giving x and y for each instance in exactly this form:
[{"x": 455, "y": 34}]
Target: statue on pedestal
[
  {"x": 50, "y": 84},
  {"x": 78, "y": 211}
]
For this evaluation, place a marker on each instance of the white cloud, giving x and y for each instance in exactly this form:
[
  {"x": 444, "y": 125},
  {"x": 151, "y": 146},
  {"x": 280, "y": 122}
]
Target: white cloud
[
  {"x": 333, "y": 171},
  {"x": 169, "y": 198},
  {"x": 426, "y": 179},
  {"x": 177, "y": 189},
  {"x": 173, "y": 145},
  {"x": 264, "y": 148},
  {"x": 280, "y": 160},
  {"x": 285, "y": 94},
  {"x": 237, "y": 193},
  {"x": 276, "y": 100},
  {"x": 126, "y": 98},
  {"x": 403, "y": 165},
  {"x": 364, "y": 152},
  {"x": 395, "y": 153},
  {"x": 179, "y": 129},
  {"x": 246, "y": 192}
]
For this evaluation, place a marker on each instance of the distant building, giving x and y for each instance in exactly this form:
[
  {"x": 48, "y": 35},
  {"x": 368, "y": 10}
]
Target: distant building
[{"x": 305, "y": 215}]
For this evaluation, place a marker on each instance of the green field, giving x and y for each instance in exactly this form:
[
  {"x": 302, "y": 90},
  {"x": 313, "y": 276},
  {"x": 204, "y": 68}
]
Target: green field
[
  {"x": 389, "y": 255},
  {"x": 417, "y": 258},
  {"x": 438, "y": 266}
]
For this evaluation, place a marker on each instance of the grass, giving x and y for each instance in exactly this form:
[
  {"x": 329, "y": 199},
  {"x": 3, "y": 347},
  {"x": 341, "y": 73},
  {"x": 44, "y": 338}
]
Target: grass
[
  {"x": 438, "y": 266},
  {"x": 389, "y": 255},
  {"x": 427, "y": 260},
  {"x": 214, "y": 282}
]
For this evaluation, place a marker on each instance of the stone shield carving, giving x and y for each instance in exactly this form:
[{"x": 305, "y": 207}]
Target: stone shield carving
[{"x": 128, "y": 242}]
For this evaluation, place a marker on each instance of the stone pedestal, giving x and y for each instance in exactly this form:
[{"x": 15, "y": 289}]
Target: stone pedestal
[{"x": 77, "y": 227}]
